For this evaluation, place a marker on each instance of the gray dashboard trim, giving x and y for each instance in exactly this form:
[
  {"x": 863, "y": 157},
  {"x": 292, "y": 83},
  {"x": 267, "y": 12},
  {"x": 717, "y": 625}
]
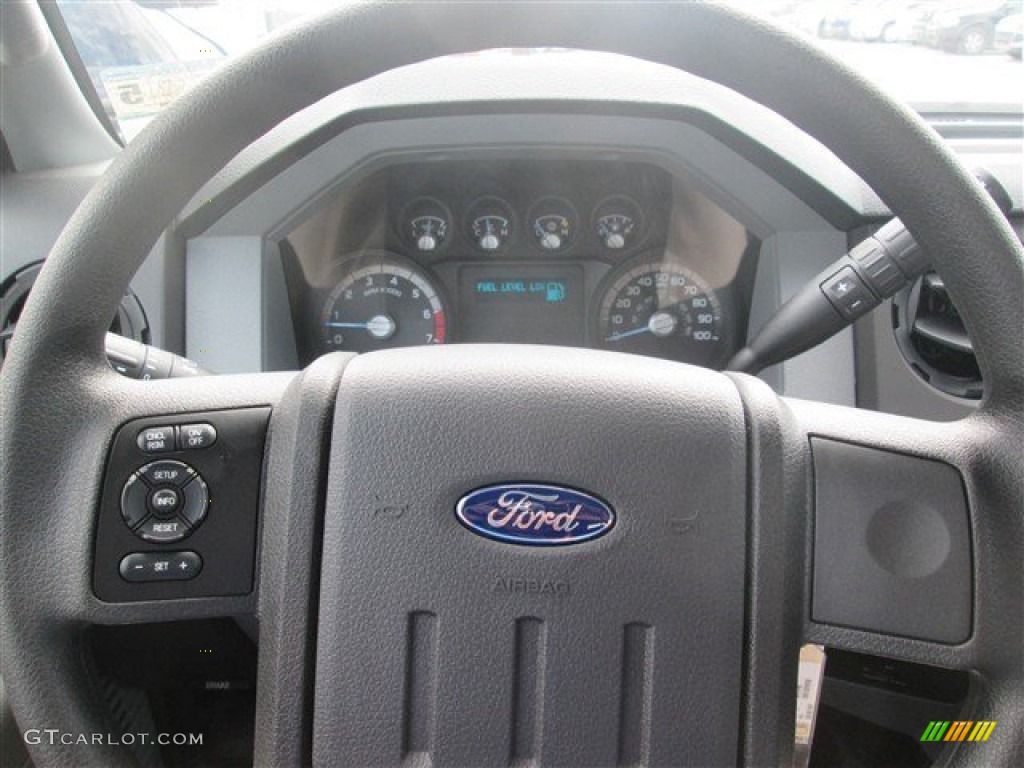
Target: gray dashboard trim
[
  {"x": 578, "y": 82},
  {"x": 745, "y": 191}
]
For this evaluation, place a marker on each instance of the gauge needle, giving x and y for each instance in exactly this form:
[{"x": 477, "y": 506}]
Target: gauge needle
[
  {"x": 661, "y": 324},
  {"x": 627, "y": 334},
  {"x": 378, "y": 326}
]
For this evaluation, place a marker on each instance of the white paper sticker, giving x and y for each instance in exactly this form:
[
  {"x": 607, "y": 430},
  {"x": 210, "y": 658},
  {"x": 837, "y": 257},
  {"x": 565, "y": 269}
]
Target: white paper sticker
[{"x": 809, "y": 677}]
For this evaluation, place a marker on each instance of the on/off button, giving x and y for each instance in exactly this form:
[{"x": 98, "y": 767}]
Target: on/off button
[{"x": 193, "y": 436}]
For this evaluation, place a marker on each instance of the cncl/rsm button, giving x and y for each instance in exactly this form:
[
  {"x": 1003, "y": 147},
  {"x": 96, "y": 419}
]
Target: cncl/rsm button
[{"x": 156, "y": 440}]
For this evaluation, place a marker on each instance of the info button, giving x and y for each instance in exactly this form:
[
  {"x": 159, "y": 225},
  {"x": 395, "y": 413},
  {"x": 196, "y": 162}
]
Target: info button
[
  {"x": 156, "y": 439},
  {"x": 164, "y": 502}
]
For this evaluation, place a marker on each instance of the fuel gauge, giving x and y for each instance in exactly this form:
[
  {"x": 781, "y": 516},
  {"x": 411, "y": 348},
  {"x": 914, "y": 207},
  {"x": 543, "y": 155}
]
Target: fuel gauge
[
  {"x": 617, "y": 223},
  {"x": 426, "y": 224}
]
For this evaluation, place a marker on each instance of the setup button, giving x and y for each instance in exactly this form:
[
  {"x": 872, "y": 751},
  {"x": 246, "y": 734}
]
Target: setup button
[{"x": 172, "y": 473}]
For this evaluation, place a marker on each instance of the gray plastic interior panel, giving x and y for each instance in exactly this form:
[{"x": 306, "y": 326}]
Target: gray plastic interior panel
[
  {"x": 622, "y": 650},
  {"x": 224, "y": 313},
  {"x": 788, "y": 261},
  {"x": 34, "y": 208},
  {"x": 885, "y": 381},
  {"x": 892, "y": 544}
]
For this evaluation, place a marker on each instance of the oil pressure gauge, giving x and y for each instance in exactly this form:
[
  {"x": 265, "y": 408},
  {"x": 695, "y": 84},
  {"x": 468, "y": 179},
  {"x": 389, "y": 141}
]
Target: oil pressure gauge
[{"x": 553, "y": 221}]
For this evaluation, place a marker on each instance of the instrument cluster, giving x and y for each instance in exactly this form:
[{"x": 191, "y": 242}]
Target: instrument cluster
[{"x": 584, "y": 253}]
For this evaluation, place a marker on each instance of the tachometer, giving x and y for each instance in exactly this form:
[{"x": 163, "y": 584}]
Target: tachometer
[
  {"x": 382, "y": 301},
  {"x": 653, "y": 306}
]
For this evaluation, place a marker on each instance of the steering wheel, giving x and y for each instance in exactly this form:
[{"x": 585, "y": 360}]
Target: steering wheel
[{"x": 378, "y": 643}]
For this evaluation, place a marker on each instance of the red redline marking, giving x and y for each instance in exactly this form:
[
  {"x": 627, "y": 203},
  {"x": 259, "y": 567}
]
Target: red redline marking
[{"x": 440, "y": 327}]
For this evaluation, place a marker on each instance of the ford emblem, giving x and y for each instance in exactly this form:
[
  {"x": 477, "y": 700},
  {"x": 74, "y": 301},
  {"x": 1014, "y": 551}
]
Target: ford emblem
[{"x": 535, "y": 515}]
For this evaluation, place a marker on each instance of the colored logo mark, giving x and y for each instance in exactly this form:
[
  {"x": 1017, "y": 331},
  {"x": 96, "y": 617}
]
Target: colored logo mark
[
  {"x": 958, "y": 730},
  {"x": 540, "y": 515}
]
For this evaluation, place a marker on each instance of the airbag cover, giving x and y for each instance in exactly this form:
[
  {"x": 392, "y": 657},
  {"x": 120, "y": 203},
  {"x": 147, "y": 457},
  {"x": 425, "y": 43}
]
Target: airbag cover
[{"x": 439, "y": 645}]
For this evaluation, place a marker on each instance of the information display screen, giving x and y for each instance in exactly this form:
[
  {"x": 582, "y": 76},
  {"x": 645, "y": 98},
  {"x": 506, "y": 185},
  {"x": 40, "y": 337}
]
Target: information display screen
[{"x": 521, "y": 304}]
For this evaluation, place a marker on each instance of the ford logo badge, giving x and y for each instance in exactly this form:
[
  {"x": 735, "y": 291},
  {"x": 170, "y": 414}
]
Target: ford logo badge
[{"x": 535, "y": 515}]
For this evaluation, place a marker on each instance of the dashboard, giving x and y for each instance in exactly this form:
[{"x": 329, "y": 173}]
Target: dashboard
[
  {"x": 543, "y": 248},
  {"x": 591, "y": 201}
]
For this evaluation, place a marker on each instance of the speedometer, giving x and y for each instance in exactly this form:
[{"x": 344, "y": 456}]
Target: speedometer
[
  {"x": 656, "y": 307},
  {"x": 381, "y": 302}
]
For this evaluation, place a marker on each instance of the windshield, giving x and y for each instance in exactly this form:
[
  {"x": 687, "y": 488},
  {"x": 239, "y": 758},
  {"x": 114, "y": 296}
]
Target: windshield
[{"x": 948, "y": 56}]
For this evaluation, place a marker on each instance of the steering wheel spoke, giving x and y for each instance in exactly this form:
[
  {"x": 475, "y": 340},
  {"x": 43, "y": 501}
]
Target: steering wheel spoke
[
  {"x": 901, "y": 516},
  {"x": 71, "y": 541}
]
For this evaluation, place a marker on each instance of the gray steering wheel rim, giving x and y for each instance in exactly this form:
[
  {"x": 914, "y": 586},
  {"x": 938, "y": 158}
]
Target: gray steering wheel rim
[{"x": 59, "y": 349}]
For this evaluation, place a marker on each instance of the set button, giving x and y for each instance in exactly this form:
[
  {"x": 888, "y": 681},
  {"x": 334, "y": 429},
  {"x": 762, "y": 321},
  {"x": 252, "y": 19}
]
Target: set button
[
  {"x": 160, "y": 566},
  {"x": 164, "y": 501},
  {"x": 185, "y": 437}
]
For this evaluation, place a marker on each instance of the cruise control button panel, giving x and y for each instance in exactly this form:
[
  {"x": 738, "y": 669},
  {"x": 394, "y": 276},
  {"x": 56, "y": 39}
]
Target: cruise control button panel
[
  {"x": 179, "y": 508},
  {"x": 184, "y": 437}
]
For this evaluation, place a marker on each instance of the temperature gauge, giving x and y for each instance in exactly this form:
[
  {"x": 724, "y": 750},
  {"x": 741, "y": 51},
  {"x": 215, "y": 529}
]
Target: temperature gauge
[
  {"x": 490, "y": 223},
  {"x": 617, "y": 223},
  {"x": 554, "y": 223},
  {"x": 426, "y": 224}
]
